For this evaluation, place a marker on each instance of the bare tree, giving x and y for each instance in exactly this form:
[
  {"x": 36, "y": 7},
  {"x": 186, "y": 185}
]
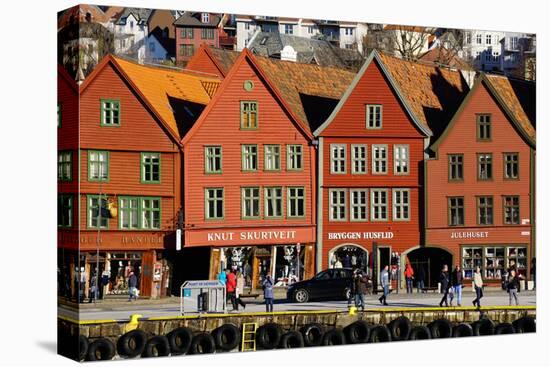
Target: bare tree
[{"x": 409, "y": 42}]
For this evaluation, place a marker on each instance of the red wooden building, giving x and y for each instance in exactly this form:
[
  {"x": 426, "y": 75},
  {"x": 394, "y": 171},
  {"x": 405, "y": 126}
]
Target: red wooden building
[
  {"x": 371, "y": 153},
  {"x": 120, "y": 137},
  {"x": 480, "y": 184},
  {"x": 213, "y": 60},
  {"x": 249, "y": 171}
]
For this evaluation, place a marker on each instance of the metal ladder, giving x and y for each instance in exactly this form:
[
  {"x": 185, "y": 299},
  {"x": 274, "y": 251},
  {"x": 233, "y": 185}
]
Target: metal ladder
[{"x": 249, "y": 337}]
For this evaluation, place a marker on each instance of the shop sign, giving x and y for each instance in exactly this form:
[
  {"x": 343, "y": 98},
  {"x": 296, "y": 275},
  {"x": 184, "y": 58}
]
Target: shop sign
[
  {"x": 360, "y": 235},
  {"x": 469, "y": 234},
  {"x": 249, "y": 236}
]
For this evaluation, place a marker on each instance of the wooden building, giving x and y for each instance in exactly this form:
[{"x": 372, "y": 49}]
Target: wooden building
[
  {"x": 371, "y": 153},
  {"x": 480, "y": 184}
]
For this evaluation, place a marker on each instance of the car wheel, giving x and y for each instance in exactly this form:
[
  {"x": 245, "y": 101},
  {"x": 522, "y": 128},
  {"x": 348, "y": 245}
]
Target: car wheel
[
  {"x": 301, "y": 296},
  {"x": 347, "y": 293}
]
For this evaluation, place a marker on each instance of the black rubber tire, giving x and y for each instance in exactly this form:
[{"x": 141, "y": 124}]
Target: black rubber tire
[
  {"x": 441, "y": 328},
  {"x": 301, "y": 299},
  {"x": 380, "y": 334},
  {"x": 504, "y": 328},
  {"x": 83, "y": 345},
  {"x": 420, "y": 332},
  {"x": 180, "y": 340},
  {"x": 462, "y": 330},
  {"x": 227, "y": 337},
  {"x": 334, "y": 337},
  {"x": 131, "y": 344},
  {"x": 269, "y": 335},
  {"x": 357, "y": 332},
  {"x": 313, "y": 334},
  {"x": 291, "y": 340},
  {"x": 202, "y": 343},
  {"x": 157, "y": 346},
  {"x": 400, "y": 328},
  {"x": 483, "y": 327},
  {"x": 101, "y": 349},
  {"x": 526, "y": 324}
]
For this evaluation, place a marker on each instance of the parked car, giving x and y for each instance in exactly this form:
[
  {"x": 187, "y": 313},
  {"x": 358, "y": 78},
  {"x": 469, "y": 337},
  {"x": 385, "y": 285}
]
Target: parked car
[{"x": 328, "y": 284}]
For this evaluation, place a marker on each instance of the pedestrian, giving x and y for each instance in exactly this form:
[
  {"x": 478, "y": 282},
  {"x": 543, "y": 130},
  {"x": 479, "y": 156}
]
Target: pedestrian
[
  {"x": 240, "y": 289},
  {"x": 337, "y": 264},
  {"x": 478, "y": 286},
  {"x": 346, "y": 262},
  {"x": 513, "y": 285},
  {"x": 457, "y": 279},
  {"x": 231, "y": 286},
  {"x": 222, "y": 277},
  {"x": 385, "y": 283},
  {"x": 360, "y": 281},
  {"x": 420, "y": 278},
  {"x": 444, "y": 283},
  {"x": 132, "y": 286},
  {"x": 409, "y": 276},
  {"x": 93, "y": 288},
  {"x": 534, "y": 272},
  {"x": 267, "y": 285},
  {"x": 105, "y": 275},
  {"x": 352, "y": 289}
]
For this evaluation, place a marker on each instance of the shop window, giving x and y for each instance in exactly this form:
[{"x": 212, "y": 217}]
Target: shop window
[
  {"x": 358, "y": 159},
  {"x": 214, "y": 203},
  {"x": 483, "y": 127},
  {"x": 110, "y": 112},
  {"x": 272, "y": 157},
  {"x": 64, "y": 211},
  {"x": 296, "y": 202},
  {"x": 511, "y": 166},
  {"x": 250, "y": 202},
  {"x": 472, "y": 257},
  {"x": 213, "y": 159},
  {"x": 511, "y": 209},
  {"x": 64, "y": 166},
  {"x": 358, "y": 203},
  {"x": 294, "y": 158},
  {"x": 401, "y": 204},
  {"x": 249, "y": 157},
  {"x": 150, "y": 167},
  {"x": 518, "y": 256},
  {"x": 374, "y": 116},
  {"x": 337, "y": 204},
  {"x": 456, "y": 167},
  {"x": 249, "y": 115},
  {"x": 485, "y": 210},
  {"x": 150, "y": 213},
  {"x": 273, "y": 202},
  {"x": 379, "y": 159},
  {"x": 98, "y": 165},
  {"x": 456, "y": 211},
  {"x": 485, "y": 166},
  {"x": 379, "y": 204},
  {"x": 494, "y": 262},
  {"x": 338, "y": 158},
  {"x": 98, "y": 215},
  {"x": 401, "y": 159}
]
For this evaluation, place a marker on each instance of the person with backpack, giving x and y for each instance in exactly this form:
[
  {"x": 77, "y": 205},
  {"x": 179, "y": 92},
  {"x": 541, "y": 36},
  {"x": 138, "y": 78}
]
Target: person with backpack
[{"x": 267, "y": 285}]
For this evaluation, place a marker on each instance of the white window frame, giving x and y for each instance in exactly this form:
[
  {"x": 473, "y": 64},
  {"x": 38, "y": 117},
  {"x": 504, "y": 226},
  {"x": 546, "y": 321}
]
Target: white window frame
[
  {"x": 207, "y": 199},
  {"x": 401, "y": 204},
  {"x": 210, "y": 158},
  {"x": 339, "y": 208},
  {"x": 398, "y": 160},
  {"x": 252, "y": 199},
  {"x": 341, "y": 158},
  {"x": 289, "y": 197},
  {"x": 368, "y": 115},
  {"x": 353, "y": 205},
  {"x": 272, "y": 157},
  {"x": 374, "y": 206},
  {"x": 249, "y": 158},
  {"x": 375, "y": 160},
  {"x": 270, "y": 194},
  {"x": 296, "y": 151},
  {"x": 355, "y": 159}
]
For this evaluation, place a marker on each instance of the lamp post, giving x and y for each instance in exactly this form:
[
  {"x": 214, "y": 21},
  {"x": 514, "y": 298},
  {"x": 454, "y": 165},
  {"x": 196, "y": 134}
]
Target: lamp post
[{"x": 98, "y": 239}]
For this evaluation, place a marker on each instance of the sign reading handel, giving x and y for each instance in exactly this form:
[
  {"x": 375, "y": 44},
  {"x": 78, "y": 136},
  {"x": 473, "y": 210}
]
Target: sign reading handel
[
  {"x": 249, "y": 236},
  {"x": 360, "y": 235}
]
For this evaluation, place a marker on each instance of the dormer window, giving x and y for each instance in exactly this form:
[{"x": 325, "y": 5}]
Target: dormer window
[{"x": 205, "y": 17}]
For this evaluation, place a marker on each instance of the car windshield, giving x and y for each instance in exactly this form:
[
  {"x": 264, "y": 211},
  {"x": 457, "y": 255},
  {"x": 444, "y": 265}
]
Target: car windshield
[{"x": 323, "y": 275}]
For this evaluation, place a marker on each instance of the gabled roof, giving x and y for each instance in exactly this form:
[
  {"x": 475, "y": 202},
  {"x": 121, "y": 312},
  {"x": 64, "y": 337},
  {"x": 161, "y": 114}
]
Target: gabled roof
[
  {"x": 113, "y": 12},
  {"x": 165, "y": 91},
  {"x": 442, "y": 56},
  {"x": 193, "y": 19},
  {"x": 429, "y": 94},
  {"x": 141, "y": 14},
  {"x": 65, "y": 75},
  {"x": 222, "y": 58}
]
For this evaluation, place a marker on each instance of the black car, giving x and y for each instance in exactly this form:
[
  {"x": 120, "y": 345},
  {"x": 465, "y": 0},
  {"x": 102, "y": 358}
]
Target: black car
[{"x": 328, "y": 284}]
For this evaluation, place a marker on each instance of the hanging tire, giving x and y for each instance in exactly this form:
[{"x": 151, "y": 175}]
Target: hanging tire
[
  {"x": 180, "y": 340},
  {"x": 157, "y": 346},
  {"x": 202, "y": 343},
  {"x": 483, "y": 327},
  {"x": 292, "y": 339},
  {"x": 268, "y": 335},
  {"x": 313, "y": 334},
  {"x": 131, "y": 344},
  {"x": 101, "y": 349},
  {"x": 334, "y": 337},
  {"x": 462, "y": 330},
  {"x": 380, "y": 334},
  {"x": 357, "y": 332},
  {"x": 400, "y": 328},
  {"x": 526, "y": 324},
  {"x": 227, "y": 337},
  {"x": 420, "y": 332},
  {"x": 504, "y": 328},
  {"x": 83, "y": 345},
  {"x": 441, "y": 328}
]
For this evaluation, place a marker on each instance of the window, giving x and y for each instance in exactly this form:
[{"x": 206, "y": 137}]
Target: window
[
  {"x": 493, "y": 266},
  {"x": 207, "y": 33},
  {"x": 187, "y": 50},
  {"x": 296, "y": 202},
  {"x": 272, "y": 157},
  {"x": 374, "y": 116},
  {"x": 59, "y": 114},
  {"x": 151, "y": 47},
  {"x": 247, "y": 26},
  {"x": 358, "y": 159},
  {"x": 337, "y": 204},
  {"x": 358, "y": 203},
  {"x": 98, "y": 165},
  {"x": 379, "y": 159},
  {"x": 379, "y": 204},
  {"x": 511, "y": 166},
  {"x": 250, "y": 202},
  {"x": 294, "y": 158},
  {"x": 519, "y": 256},
  {"x": 492, "y": 260},
  {"x": 64, "y": 211},
  {"x": 401, "y": 159},
  {"x": 273, "y": 202},
  {"x": 488, "y": 56},
  {"x": 472, "y": 257},
  {"x": 456, "y": 167},
  {"x": 348, "y": 31},
  {"x": 249, "y": 157},
  {"x": 401, "y": 204},
  {"x": 187, "y": 33},
  {"x": 64, "y": 166},
  {"x": 205, "y": 17},
  {"x": 98, "y": 215},
  {"x": 150, "y": 167},
  {"x": 214, "y": 203},
  {"x": 488, "y": 39},
  {"x": 478, "y": 39},
  {"x": 513, "y": 43},
  {"x": 485, "y": 166},
  {"x": 129, "y": 212},
  {"x": 249, "y": 115},
  {"x": 478, "y": 55},
  {"x": 289, "y": 29},
  {"x": 484, "y": 210},
  {"x": 150, "y": 213},
  {"x": 310, "y": 29},
  {"x": 511, "y": 209},
  {"x": 110, "y": 112},
  {"x": 338, "y": 158},
  {"x": 456, "y": 211},
  {"x": 496, "y": 56},
  {"x": 484, "y": 127},
  {"x": 468, "y": 38},
  {"x": 213, "y": 159}
]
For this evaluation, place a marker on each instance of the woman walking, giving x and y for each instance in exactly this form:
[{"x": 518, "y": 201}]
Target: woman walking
[
  {"x": 409, "y": 276},
  {"x": 268, "y": 293},
  {"x": 240, "y": 289},
  {"x": 478, "y": 286}
]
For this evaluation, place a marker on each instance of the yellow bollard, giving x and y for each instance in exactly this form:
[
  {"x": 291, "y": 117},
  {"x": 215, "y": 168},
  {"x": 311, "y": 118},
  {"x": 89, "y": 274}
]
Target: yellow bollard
[
  {"x": 352, "y": 310},
  {"x": 133, "y": 323}
]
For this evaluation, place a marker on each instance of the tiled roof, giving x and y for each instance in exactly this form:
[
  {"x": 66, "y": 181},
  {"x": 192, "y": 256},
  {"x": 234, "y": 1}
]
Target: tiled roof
[
  {"x": 405, "y": 28},
  {"x": 518, "y": 97},
  {"x": 224, "y": 58},
  {"x": 113, "y": 12},
  {"x": 194, "y": 20},
  {"x": 432, "y": 93},
  {"x": 141, "y": 14},
  {"x": 163, "y": 87},
  {"x": 442, "y": 56}
]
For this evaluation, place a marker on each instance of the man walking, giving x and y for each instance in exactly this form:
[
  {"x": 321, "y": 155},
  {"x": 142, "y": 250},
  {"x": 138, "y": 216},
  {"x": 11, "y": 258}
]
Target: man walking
[
  {"x": 132, "y": 286},
  {"x": 409, "y": 276},
  {"x": 513, "y": 286},
  {"x": 385, "y": 283},
  {"x": 268, "y": 293},
  {"x": 360, "y": 285},
  {"x": 456, "y": 282},
  {"x": 93, "y": 288},
  {"x": 231, "y": 286},
  {"x": 420, "y": 277},
  {"x": 444, "y": 282}
]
